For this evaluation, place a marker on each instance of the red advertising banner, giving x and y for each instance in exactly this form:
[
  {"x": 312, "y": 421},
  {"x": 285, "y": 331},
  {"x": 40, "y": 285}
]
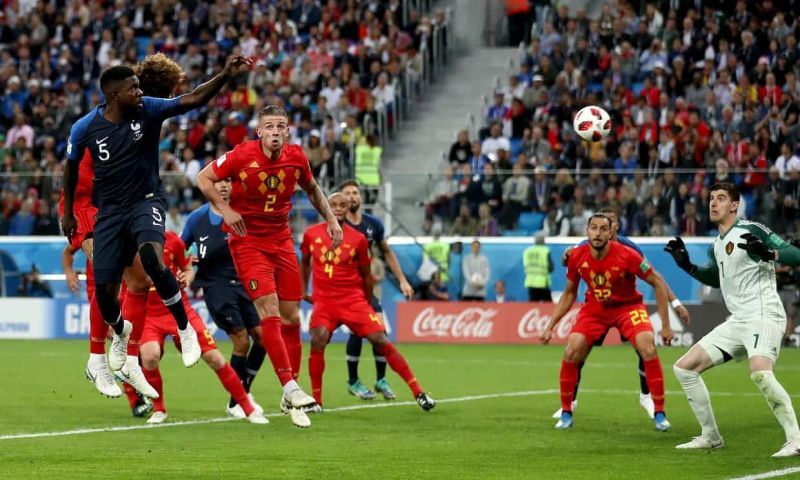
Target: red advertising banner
[{"x": 476, "y": 322}]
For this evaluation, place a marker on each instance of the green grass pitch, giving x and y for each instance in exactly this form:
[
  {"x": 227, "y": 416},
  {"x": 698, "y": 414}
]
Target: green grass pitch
[{"x": 507, "y": 434}]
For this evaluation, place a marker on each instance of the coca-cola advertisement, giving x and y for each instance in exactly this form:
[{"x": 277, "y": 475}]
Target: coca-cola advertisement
[{"x": 469, "y": 322}]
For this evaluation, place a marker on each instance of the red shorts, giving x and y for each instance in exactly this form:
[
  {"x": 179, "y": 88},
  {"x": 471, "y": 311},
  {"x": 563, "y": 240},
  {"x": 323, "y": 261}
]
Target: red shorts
[
  {"x": 359, "y": 317},
  {"x": 266, "y": 267},
  {"x": 594, "y": 322},
  {"x": 85, "y": 214},
  {"x": 157, "y": 327}
]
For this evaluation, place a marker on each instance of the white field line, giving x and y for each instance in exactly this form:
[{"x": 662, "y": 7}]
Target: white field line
[
  {"x": 467, "y": 398},
  {"x": 770, "y": 474},
  {"x": 83, "y": 431}
]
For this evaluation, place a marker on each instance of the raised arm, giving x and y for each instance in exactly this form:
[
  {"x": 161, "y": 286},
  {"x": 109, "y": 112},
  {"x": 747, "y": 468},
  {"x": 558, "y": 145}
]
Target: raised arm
[
  {"x": 206, "y": 91},
  {"x": 708, "y": 275}
]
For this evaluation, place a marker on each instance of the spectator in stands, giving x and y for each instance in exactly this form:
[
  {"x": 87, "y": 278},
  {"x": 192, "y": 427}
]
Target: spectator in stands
[
  {"x": 465, "y": 224},
  {"x": 500, "y": 294},
  {"x": 436, "y": 290},
  {"x": 32, "y": 285},
  {"x": 498, "y": 110},
  {"x": 516, "y": 194},
  {"x": 475, "y": 269},
  {"x": 461, "y": 150},
  {"x": 23, "y": 221},
  {"x": 46, "y": 222},
  {"x": 487, "y": 224}
]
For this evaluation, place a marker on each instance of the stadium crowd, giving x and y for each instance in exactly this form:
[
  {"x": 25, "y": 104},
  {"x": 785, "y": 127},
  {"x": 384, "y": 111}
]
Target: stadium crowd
[
  {"x": 330, "y": 63},
  {"x": 694, "y": 96}
]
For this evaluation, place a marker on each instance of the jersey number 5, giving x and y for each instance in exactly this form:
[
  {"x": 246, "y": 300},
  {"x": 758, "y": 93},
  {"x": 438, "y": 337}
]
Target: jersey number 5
[
  {"x": 271, "y": 199},
  {"x": 103, "y": 149},
  {"x": 329, "y": 270}
]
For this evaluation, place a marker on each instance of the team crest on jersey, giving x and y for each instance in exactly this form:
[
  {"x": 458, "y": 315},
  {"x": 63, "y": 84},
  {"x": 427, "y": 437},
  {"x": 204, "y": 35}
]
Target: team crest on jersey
[
  {"x": 137, "y": 130},
  {"x": 729, "y": 248},
  {"x": 599, "y": 280},
  {"x": 330, "y": 255},
  {"x": 273, "y": 181},
  {"x": 253, "y": 284}
]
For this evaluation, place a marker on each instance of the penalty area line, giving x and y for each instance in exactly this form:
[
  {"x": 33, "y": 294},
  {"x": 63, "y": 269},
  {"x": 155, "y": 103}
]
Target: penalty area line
[
  {"x": 84, "y": 431},
  {"x": 770, "y": 474}
]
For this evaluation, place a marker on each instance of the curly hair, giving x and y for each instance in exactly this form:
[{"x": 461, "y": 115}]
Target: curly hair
[{"x": 158, "y": 75}]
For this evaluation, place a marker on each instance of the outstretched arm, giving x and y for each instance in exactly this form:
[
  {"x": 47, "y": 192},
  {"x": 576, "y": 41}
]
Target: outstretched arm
[
  {"x": 708, "y": 275},
  {"x": 565, "y": 302},
  {"x": 206, "y": 91}
]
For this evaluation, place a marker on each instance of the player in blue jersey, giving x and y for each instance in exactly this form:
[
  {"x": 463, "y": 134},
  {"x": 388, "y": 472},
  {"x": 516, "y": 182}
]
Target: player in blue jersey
[
  {"x": 122, "y": 136},
  {"x": 225, "y": 297},
  {"x": 372, "y": 228},
  {"x": 645, "y": 400}
]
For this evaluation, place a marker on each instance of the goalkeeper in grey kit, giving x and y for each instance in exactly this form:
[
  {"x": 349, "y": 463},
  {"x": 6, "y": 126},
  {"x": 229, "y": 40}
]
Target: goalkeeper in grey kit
[{"x": 742, "y": 266}]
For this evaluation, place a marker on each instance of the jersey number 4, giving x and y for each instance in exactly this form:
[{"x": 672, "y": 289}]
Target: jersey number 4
[{"x": 329, "y": 270}]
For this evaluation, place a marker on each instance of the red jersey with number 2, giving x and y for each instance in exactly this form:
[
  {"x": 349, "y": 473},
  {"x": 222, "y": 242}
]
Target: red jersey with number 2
[
  {"x": 336, "y": 274},
  {"x": 262, "y": 188},
  {"x": 612, "y": 279}
]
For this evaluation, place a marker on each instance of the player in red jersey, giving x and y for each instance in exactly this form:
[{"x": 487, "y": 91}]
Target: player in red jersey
[
  {"x": 341, "y": 296},
  {"x": 159, "y": 76},
  {"x": 160, "y": 324},
  {"x": 265, "y": 174},
  {"x": 609, "y": 269}
]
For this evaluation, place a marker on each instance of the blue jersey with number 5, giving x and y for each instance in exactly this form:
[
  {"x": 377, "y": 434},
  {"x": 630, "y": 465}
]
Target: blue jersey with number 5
[{"x": 124, "y": 154}]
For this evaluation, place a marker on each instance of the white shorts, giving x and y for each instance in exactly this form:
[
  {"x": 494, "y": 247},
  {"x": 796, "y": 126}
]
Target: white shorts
[{"x": 740, "y": 340}]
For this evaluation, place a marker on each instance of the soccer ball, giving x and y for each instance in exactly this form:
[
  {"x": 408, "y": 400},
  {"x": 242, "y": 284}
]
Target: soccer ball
[{"x": 592, "y": 123}]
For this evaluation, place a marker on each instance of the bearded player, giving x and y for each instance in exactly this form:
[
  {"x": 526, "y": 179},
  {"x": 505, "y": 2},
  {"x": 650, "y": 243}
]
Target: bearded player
[
  {"x": 609, "y": 269},
  {"x": 341, "y": 296},
  {"x": 265, "y": 174},
  {"x": 160, "y": 324},
  {"x": 372, "y": 228},
  {"x": 645, "y": 400}
]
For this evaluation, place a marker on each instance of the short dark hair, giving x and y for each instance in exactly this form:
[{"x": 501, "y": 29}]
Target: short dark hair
[
  {"x": 113, "y": 75},
  {"x": 349, "y": 183},
  {"x": 600, "y": 215},
  {"x": 731, "y": 189},
  {"x": 272, "y": 110},
  {"x": 614, "y": 209}
]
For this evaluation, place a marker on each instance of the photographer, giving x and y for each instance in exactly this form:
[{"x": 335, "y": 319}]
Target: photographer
[{"x": 31, "y": 285}]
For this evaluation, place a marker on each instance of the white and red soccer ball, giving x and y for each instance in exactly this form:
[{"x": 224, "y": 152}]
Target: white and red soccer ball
[{"x": 592, "y": 123}]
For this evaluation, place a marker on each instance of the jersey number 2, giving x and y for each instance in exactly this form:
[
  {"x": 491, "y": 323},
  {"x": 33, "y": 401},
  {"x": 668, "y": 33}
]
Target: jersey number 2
[{"x": 271, "y": 199}]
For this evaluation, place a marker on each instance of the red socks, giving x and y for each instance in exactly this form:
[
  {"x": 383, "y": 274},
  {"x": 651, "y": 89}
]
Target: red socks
[
  {"x": 154, "y": 379},
  {"x": 98, "y": 330},
  {"x": 655, "y": 381},
  {"x": 233, "y": 384},
  {"x": 134, "y": 310},
  {"x": 273, "y": 343},
  {"x": 569, "y": 378},
  {"x": 398, "y": 363},
  {"x": 130, "y": 392},
  {"x": 316, "y": 365},
  {"x": 294, "y": 346}
]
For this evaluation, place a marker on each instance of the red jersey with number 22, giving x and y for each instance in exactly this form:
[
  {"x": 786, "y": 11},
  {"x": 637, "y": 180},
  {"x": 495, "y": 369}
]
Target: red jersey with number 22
[
  {"x": 336, "y": 274},
  {"x": 262, "y": 188},
  {"x": 612, "y": 279}
]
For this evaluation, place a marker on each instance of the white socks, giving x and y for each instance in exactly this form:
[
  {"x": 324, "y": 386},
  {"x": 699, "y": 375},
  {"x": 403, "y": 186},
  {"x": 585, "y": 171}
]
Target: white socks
[
  {"x": 97, "y": 358},
  {"x": 697, "y": 395},
  {"x": 779, "y": 402}
]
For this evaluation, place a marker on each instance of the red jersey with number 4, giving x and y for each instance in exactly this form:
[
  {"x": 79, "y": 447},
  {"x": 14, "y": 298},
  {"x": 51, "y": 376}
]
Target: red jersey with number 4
[
  {"x": 262, "y": 188},
  {"x": 176, "y": 260},
  {"x": 611, "y": 280},
  {"x": 83, "y": 190},
  {"x": 336, "y": 274}
]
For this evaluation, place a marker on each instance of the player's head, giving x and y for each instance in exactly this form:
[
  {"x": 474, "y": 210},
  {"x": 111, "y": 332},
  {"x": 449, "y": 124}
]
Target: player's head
[
  {"x": 339, "y": 205},
  {"x": 159, "y": 75},
  {"x": 598, "y": 231},
  {"x": 723, "y": 202},
  {"x": 224, "y": 188},
  {"x": 273, "y": 127},
  {"x": 120, "y": 86},
  {"x": 613, "y": 214},
  {"x": 352, "y": 191}
]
